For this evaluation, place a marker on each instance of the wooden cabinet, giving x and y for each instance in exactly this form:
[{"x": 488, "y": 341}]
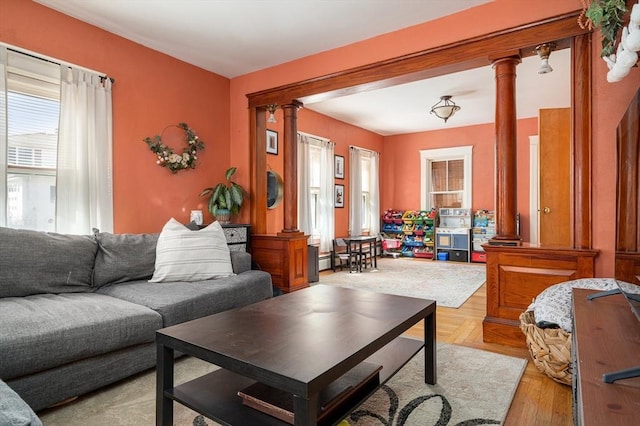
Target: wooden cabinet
[
  {"x": 238, "y": 236},
  {"x": 606, "y": 338},
  {"x": 285, "y": 257},
  {"x": 516, "y": 275}
]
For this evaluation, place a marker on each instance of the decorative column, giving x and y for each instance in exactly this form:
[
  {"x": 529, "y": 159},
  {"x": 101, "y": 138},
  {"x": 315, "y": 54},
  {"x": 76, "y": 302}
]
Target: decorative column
[
  {"x": 290, "y": 196},
  {"x": 506, "y": 152},
  {"x": 284, "y": 255}
]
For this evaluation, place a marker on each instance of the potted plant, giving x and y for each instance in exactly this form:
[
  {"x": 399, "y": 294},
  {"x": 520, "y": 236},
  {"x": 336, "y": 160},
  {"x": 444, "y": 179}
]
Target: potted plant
[
  {"x": 608, "y": 16},
  {"x": 225, "y": 198}
]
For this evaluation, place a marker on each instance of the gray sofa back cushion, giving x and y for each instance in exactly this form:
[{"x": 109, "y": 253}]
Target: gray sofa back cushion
[
  {"x": 124, "y": 257},
  {"x": 33, "y": 262}
]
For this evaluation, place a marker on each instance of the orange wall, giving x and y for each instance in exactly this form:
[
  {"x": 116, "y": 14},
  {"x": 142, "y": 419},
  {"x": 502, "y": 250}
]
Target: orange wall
[
  {"x": 152, "y": 90},
  {"x": 401, "y": 168}
]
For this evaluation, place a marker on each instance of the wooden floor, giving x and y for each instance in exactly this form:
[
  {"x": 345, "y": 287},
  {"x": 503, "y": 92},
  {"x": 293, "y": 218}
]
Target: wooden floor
[{"x": 538, "y": 400}]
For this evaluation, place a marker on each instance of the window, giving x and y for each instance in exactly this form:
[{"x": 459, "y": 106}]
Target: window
[
  {"x": 33, "y": 111},
  {"x": 50, "y": 124},
  {"x": 315, "y": 189},
  {"x": 364, "y": 204},
  {"x": 446, "y": 177}
]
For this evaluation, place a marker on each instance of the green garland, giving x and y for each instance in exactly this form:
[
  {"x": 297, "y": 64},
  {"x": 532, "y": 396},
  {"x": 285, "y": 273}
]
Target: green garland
[
  {"x": 168, "y": 158},
  {"x": 608, "y": 15}
]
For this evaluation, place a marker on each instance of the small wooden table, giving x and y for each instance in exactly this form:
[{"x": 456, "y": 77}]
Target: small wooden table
[
  {"x": 606, "y": 338},
  {"x": 356, "y": 247},
  {"x": 298, "y": 343}
]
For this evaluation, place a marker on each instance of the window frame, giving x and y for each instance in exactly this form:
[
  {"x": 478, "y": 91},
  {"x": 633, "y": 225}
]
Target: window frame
[{"x": 428, "y": 156}]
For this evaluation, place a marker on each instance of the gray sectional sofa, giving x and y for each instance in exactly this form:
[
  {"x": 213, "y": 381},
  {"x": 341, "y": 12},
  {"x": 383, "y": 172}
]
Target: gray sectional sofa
[{"x": 78, "y": 313}]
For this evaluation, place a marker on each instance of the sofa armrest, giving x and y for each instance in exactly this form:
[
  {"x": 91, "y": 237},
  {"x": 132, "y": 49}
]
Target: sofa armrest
[{"x": 240, "y": 261}]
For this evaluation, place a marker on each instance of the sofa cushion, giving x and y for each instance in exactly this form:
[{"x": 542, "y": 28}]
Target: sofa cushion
[
  {"x": 47, "y": 330},
  {"x": 186, "y": 255},
  {"x": 13, "y": 410},
  {"x": 33, "y": 262},
  {"x": 183, "y": 301},
  {"x": 124, "y": 257}
]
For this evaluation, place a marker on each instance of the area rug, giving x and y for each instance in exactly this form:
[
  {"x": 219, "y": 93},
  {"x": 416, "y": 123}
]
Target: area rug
[
  {"x": 450, "y": 284},
  {"x": 474, "y": 388}
]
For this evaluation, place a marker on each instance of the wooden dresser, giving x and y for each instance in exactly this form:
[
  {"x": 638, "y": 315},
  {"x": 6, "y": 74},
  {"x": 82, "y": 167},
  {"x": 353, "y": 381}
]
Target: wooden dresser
[{"x": 606, "y": 338}]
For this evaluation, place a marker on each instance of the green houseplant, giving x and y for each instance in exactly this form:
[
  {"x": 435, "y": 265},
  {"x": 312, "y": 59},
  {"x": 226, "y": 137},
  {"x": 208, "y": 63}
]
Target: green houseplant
[{"x": 225, "y": 198}]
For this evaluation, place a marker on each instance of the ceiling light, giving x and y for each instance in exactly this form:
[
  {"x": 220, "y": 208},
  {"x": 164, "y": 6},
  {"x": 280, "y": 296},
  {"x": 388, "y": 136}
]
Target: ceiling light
[
  {"x": 445, "y": 108},
  {"x": 272, "y": 109},
  {"x": 544, "y": 51}
]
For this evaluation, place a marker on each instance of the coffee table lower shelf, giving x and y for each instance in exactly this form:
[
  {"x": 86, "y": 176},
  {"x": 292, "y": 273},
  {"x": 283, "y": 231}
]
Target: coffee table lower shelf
[{"x": 215, "y": 394}]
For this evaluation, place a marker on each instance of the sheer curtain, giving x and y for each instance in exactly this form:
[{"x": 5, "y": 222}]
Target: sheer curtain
[
  {"x": 358, "y": 210},
  {"x": 374, "y": 199},
  {"x": 84, "y": 197},
  {"x": 355, "y": 191},
  {"x": 3, "y": 136},
  {"x": 315, "y": 172}
]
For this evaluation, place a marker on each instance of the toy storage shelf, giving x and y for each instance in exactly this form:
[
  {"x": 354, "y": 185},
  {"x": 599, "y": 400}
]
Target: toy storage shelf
[
  {"x": 415, "y": 228},
  {"x": 484, "y": 228}
]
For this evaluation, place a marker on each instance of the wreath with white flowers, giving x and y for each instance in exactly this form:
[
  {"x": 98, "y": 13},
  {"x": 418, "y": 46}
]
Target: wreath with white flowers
[{"x": 168, "y": 158}]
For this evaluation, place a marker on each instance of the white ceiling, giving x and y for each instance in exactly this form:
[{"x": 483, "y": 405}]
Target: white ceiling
[{"x": 235, "y": 37}]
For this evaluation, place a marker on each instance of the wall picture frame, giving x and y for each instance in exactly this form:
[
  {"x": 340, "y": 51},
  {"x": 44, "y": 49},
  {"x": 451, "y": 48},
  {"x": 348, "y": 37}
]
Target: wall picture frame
[
  {"x": 272, "y": 142},
  {"x": 338, "y": 166},
  {"x": 339, "y": 198}
]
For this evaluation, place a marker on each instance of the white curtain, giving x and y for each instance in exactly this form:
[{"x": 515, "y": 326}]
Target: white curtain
[
  {"x": 84, "y": 197},
  {"x": 326, "y": 217},
  {"x": 3, "y": 135},
  {"x": 304, "y": 179},
  {"x": 374, "y": 200},
  {"x": 355, "y": 191},
  {"x": 358, "y": 211},
  {"x": 319, "y": 175}
]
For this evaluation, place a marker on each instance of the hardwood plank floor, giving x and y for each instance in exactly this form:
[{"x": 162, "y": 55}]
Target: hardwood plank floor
[{"x": 539, "y": 401}]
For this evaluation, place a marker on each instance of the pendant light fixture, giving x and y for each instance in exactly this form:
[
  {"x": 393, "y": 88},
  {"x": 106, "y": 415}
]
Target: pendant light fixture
[
  {"x": 445, "y": 108},
  {"x": 544, "y": 51},
  {"x": 272, "y": 109}
]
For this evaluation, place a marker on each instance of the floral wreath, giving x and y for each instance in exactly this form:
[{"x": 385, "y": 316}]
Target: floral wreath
[{"x": 168, "y": 158}]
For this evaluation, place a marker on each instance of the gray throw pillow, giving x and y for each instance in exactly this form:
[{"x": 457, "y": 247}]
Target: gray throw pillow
[
  {"x": 34, "y": 262},
  {"x": 124, "y": 257},
  {"x": 13, "y": 410}
]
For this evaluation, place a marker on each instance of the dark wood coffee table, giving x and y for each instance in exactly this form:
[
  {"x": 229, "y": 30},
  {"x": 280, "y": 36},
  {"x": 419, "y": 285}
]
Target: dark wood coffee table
[{"x": 299, "y": 342}]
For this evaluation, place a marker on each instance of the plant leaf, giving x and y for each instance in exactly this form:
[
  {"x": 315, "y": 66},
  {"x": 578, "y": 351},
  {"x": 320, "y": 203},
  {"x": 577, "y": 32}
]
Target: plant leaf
[{"x": 230, "y": 172}]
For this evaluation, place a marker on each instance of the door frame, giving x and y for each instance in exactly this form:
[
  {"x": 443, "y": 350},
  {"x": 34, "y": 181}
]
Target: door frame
[{"x": 534, "y": 188}]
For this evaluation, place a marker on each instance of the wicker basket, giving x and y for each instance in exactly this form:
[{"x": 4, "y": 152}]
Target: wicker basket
[{"x": 550, "y": 349}]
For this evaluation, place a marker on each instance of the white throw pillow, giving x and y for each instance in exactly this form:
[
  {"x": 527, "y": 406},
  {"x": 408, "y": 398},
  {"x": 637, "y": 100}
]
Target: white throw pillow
[{"x": 186, "y": 255}]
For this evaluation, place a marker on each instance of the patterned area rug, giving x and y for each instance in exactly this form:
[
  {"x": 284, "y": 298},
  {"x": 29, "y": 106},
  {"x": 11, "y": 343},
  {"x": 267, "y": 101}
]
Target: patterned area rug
[
  {"x": 474, "y": 388},
  {"x": 450, "y": 284}
]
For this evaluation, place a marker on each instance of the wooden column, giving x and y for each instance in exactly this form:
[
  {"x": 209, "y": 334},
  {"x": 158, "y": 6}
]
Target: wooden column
[
  {"x": 506, "y": 152},
  {"x": 581, "y": 102},
  {"x": 290, "y": 198}
]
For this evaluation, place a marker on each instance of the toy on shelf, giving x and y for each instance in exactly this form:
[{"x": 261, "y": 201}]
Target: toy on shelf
[{"x": 392, "y": 216}]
